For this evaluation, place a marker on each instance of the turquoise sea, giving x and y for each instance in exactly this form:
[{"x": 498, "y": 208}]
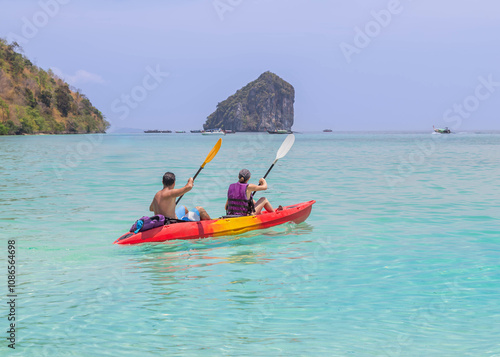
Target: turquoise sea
[{"x": 400, "y": 256}]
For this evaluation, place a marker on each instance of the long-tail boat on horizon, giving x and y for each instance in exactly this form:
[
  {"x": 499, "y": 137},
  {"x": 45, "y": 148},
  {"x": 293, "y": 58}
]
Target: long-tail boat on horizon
[{"x": 442, "y": 131}]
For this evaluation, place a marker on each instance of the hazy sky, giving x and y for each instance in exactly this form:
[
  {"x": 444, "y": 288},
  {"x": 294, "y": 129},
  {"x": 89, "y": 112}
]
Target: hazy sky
[{"x": 355, "y": 64}]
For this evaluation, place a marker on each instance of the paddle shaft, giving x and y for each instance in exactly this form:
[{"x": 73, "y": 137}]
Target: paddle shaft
[
  {"x": 194, "y": 177},
  {"x": 283, "y": 150},
  {"x": 268, "y": 171},
  {"x": 209, "y": 158},
  {"x": 201, "y": 168}
]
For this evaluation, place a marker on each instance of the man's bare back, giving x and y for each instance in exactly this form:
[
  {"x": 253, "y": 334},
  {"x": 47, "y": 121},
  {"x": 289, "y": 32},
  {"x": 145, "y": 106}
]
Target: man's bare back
[{"x": 164, "y": 201}]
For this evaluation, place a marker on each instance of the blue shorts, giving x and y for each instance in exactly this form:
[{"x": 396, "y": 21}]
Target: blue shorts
[{"x": 193, "y": 215}]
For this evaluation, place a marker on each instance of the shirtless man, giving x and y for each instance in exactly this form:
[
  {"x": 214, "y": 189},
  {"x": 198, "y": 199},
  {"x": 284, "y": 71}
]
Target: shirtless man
[{"x": 164, "y": 201}]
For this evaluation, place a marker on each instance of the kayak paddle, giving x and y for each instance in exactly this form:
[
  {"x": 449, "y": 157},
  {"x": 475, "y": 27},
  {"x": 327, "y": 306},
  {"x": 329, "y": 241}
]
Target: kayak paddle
[
  {"x": 209, "y": 158},
  {"x": 283, "y": 150}
]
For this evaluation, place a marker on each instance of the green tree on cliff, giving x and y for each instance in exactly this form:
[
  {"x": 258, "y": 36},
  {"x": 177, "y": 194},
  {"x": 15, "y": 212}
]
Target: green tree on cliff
[
  {"x": 4, "y": 108},
  {"x": 63, "y": 100}
]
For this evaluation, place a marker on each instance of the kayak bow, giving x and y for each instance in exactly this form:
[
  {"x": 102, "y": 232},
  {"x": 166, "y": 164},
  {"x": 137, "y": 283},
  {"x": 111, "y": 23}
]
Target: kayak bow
[{"x": 220, "y": 227}]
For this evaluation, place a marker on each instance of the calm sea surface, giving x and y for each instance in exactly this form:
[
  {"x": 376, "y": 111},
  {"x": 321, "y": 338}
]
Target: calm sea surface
[{"x": 400, "y": 256}]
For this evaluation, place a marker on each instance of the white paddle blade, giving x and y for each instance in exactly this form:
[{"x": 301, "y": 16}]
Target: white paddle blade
[{"x": 286, "y": 146}]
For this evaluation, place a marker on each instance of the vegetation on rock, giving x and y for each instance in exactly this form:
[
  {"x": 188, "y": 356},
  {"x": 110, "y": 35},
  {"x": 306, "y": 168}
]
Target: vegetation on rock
[
  {"x": 264, "y": 104},
  {"x": 34, "y": 101}
]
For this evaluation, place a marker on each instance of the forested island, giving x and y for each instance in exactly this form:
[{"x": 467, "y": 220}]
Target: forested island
[
  {"x": 261, "y": 105},
  {"x": 35, "y": 101}
]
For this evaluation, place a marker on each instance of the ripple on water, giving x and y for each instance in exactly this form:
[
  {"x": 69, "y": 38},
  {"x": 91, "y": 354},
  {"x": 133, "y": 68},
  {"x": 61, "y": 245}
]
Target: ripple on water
[{"x": 389, "y": 262}]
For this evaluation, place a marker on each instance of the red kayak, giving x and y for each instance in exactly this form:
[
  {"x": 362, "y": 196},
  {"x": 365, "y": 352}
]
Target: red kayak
[{"x": 220, "y": 227}]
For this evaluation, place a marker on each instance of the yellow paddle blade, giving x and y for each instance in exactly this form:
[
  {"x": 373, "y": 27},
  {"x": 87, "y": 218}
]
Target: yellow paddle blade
[{"x": 212, "y": 153}]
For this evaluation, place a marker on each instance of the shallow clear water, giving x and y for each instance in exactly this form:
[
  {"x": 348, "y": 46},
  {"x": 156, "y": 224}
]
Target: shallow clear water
[{"x": 400, "y": 256}]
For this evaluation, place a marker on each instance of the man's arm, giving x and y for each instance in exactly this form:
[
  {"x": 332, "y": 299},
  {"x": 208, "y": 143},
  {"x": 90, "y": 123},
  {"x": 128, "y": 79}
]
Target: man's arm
[
  {"x": 153, "y": 205},
  {"x": 176, "y": 192}
]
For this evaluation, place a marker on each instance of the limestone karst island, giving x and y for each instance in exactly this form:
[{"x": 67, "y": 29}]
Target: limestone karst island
[
  {"x": 35, "y": 101},
  {"x": 262, "y": 105}
]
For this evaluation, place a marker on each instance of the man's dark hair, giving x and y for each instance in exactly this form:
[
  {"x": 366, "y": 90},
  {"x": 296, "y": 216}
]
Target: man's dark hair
[{"x": 168, "y": 179}]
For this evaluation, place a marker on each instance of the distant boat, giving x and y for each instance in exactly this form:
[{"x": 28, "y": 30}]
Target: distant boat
[
  {"x": 213, "y": 132},
  {"x": 327, "y": 131},
  {"x": 157, "y": 131},
  {"x": 442, "y": 131},
  {"x": 230, "y": 131},
  {"x": 281, "y": 131},
  {"x": 195, "y": 131},
  {"x": 180, "y": 131}
]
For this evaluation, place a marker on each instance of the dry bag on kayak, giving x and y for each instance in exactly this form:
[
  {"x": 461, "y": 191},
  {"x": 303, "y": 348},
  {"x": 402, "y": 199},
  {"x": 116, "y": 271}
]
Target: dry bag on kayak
[{"x": 146, "y": 223}]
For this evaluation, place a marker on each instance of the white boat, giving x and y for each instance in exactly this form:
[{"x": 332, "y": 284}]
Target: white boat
[{"x": 213, "y": 132}]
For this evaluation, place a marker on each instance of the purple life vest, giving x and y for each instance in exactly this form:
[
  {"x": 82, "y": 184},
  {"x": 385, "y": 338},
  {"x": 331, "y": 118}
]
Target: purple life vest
[{"x": 237, "y": 202}]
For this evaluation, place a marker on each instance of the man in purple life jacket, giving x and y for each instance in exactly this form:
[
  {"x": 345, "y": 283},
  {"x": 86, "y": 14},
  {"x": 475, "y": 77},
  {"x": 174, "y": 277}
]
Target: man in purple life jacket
[
  {"x": 164, "y": 201},
  {"x": 240, "y": 203}
]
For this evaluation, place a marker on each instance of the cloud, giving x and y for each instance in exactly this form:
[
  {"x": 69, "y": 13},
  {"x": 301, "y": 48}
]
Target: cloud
[{"x": 80, "y": 76}]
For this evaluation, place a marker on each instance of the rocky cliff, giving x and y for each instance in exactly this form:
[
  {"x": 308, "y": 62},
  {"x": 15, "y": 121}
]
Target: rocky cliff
[{"x": 264, "y": 104}]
